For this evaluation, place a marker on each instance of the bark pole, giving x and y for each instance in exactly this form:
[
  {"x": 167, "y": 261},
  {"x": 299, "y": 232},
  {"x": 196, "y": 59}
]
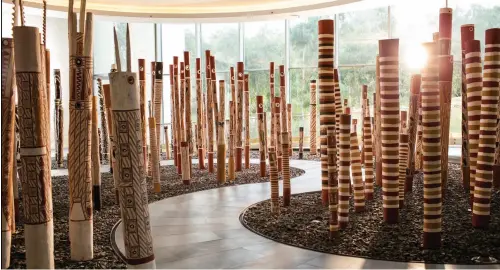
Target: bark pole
[
  {"x": 273, "y": 133},
  {"x": 221, "y": 139},
  {"x": 230, "y": 165},
  {"x": 246, "y": 97},
  {"x": 158, "y": 100},
  {"x": 177, "y": 112},
  {"x": 199, "y": 116},
  {"x": 240, "y": 69},
  {"x": 155, "y": 157},
  {"x": 96, "y": 162},
  {"x": 277, "y": 126},
  {"x": 262, "y": 135},
  {"x": 312, "y": 119},
  {"x": 214, "y": 94},
  {"x": 285, "y": 141},
  {"x": 289, "y": 123},
  {"x": 173, "y": 113},
  {"x": 187, "y": 109},
  {"x": 210, "y": 108},
  {"x": 412, "y": 129},
  {"x": 167, "y": 143},
  {"x": 59, "y": 119},
  {"x": 142, "y": 95}
]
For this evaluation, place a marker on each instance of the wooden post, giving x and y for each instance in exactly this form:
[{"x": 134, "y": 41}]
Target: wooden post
[
  {"x": 246, "y": 98},
  {"x": 277, "y": 126},
  {"x": 445, "y": 63},
  {"x": 364, "y": 108},
  {"x": 378, "y": 125},
  {"x": 38, "y": 222},
  {"x": 8, "y": 150},
  {"x": 285, "y": 160},
  {"x": 389, "y": 100},
  {"x": 262, "y": 135},
  {"x": 487, "y": 138},
  {"x": 403, "y": 166},
  {"x": 492, "y": 45},
  {"x": 466, "y": 35},
  {"x": 240, "y": 69},
  {"x": 167, "y": 143},
  {"x": 155, "y": 157},
  {"x": 59, "y": 118},
  {"x": 301, "y": 142},
  {"x": 326, "y": 95},
  {"x": 412, "y": 130},
  {"x": 344, "y": 178},
  {"x": 431, "y": 145},
  {"x": 79, "y": 140},
  {"x": 418, "y": 151},
  {"x": 210, "y": 108},
  {"x": 173, "y": 113},
  {"x": 273, "y": 133},
  {"x": 184, "y": 147},
  {"x": 187, "y": 108},
  {"x": 221, "y": 139},
  {"x": 105, "y": 143},
  {"x": 214, "y": 94},
  {"x": 199, "y": 116},
  {"x": 230, "y": 166},
  {"x": 357, "y": 175},
  {"x": 368, "y": 153},
  {"x": 312, "y": 118},
  {"x": 142, "y": 94},
  {"x": 177, "y": 112},
  {"x": 273, "y": 175},
  {"x": 158, "y": 100},
  {"x": 96, "y": 163},
  {"x": 338, "y": 112},
  {"x": 333, "y": 195},
  {"x": 289, "y": 123}
]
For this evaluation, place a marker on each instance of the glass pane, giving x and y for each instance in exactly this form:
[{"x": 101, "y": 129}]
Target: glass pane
[
  {"x": 264, "y": 42},
  {"x": 177, "y": 38},
  {"x": 222, "y": 40},
  {"x": 304, "y": 42}
]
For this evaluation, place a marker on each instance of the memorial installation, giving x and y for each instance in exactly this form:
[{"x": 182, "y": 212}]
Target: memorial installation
[{"x": 59, "y": 119}]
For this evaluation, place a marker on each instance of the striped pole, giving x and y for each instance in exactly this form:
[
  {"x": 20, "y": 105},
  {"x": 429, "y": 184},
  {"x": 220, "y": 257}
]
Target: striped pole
[
  {"x": 312, "y": 119},
  {"x": 215, "y": 102},
  {"x": 357, "y": 175},
  {"x": 271, "y": 101},
  {"x": 466, "y": 34},
  {"x": 262, "y": 135},
  {"x": 389, "y": 105},
  {"x": 368, "y": 153},
  {"x": 412, "y": 129},
  {"x": 338, "y": 110},
  {"x": 199, "y": 116},
  {"x": 403, "y": 166},
  {"x": 364, "y": 108},
  {"x": 333, "y": 195},
  {"x": 187, "y": 109},
  {"x": 344, "y": 173},
  {"x": 273, "y": 175},
  {"x": 284, "y": 140},
  {"x": 177, "y": 112},
  {"x": 173, "y": 114},
  {"x": 246, "y": 104},
  {"x": 378, "y": 125},
  {"x": 431, "y": 149}
]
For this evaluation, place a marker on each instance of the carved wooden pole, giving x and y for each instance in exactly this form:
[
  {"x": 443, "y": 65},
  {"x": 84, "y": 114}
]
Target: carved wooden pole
[
  {"x": 357, "y": 175},
  {"x": 185, "y": 166},
  {"x": 412, "y": 130},
  {"x": 389, "y": 104},
  {"x": 155, "y": 157},
  {"x": 158, "y": 99},
  {"x": 167, "y": 143},
  {"x": 221, "y": 139},
  {"x": 246, "y": 97},
  {"x": 177, "y": 112},
  {"x": 333, "y": 196},
  {"x": 285, "y": 142},
  {"x": 214, "y": 94},
  {"x": 403, "y": 166},
  {"x": 487, "y": 138},
  {"x": 474, "y": 84},
  {"x": 368, "y": 153},
  {"x": 277, "y": 125},
  {"x": 301, "y": 142},
  {"x": 142, "y": 94},
  {"x": 37, "y": 200},
  {"x": 326, "y": 95},
  {"x": 59, "y": 119},
  {"x": 466, "y": 35},
  {"x": 431, "y": 146},
  {"x": 230, "y": 165},
  {"x": 418, "y": 150},
  {"x": 199, "y": 116},
  {"x": 187, "y": 108},
  {"x": 153, "y": 76},
  {"x": 210, "y": 108},
  {"x": 132, "y": 183},
  {"x": 364, "y": 108},
  {"x": 378, "y": 125},
  {"x": 344, "y": 178},
  {"x": 289, "y": 124},
  {"x": 312, "y": 118},
  {"x": 240, "y": 69},
  {"x": 271, "y": 105},
  {"x": 262, "y": 135},
  {"x": 96, "y": 163},
  {"x": 79, "y": 140},
  {"x": 8, "y": 150},
  {"x": 273, "y": 175},
  {"x": 104, "y": 123}
]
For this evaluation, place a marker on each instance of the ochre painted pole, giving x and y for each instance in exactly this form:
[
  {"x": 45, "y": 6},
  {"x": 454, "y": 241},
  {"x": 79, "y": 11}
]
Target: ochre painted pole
[
  {"x": 59, "y": 119},
  {"x": 240, "y": 69},
  {"x": 364, "y": 108},
  {"x": 333, "y": 196},
  {"x": 378, "y": 126},
  {"x": 368, "y": 153},
  {"x": 210, "y": 108},
  {"x": 199, "y": 116},
  {"x": 445, "y": 63},
  {"x": 277, "y": 126},
  {"x": 262, "y": 135},
  {"x": 158, "y": 100},
  {"x": 403, "y": 166},
  {"x": 412, "y": 129},
  {"x": 289, "y": 124},
  {"x": 142, "y": 94},
  {"x": 155, "y": 159},
  {"x": 246, "y": 97},
  {"x": 96, "y": 162},
  {"x": 273, "y": 133},
  {"x": 273, "y": 175},
  {"x": 187, "y": 108},
  {"x": 230, "y": 165},
  {"x": 177, "y": 112},
  {"x": 173, "y": 114},
  {"x": 284, "y": 140},
  {"x": 312, "y": 118},
  {"x": 167, "y": 143},
  {"x": 301, "y": 142},
  {"x": 357, "y": 175},
  {"x": 221, "y": 139},
  {"x": 344, "y": 178}
]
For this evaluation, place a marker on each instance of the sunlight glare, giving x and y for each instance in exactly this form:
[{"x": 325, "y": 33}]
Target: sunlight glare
[{"x": 415, "y": 56}]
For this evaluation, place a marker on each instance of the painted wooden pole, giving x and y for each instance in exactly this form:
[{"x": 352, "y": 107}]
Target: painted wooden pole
[
  {"x": 277, "y": 126},
  {"x": 177, "y": 112},
  {"x": 473, "y": 69},
  {"x": 210, "y": 108},
  {"x": 155, "y": 157},
  {"x": 445, "y": 63},
  {"x": 389, "y": 105},
  {"x": 15, "y": 168},
  {"x": 214, "y": 94},
  {"x": 412, "y": 129},
  {"x": 262, "y": 135},
  {"x": 368, "y": 153},
  {"x": 96, "y": 162},
  {"x": 273, "y": 133},
  {"x": 333, "y": 196},
  {"x": 378, "y": 125},
  {"x": 326, "y": 95},
  {"x": 490, "y": 96},
  {"x": 418, "y": 150},
  {"x": 338, "y": 110},
  {"x": 105, "y": 143},
  {"x": 59, "y": 119},
  {"x": 167, "y": 143},
  {"x": 173, "y": 113},
  {"x": 273, "y": 175},
  {"x": 431, "y": 146},
  {"x": 344, "y": 178},
  {"x": 301, "y": 142},
  {"x": 285, "y": 141},
  {"x": 79, "y": 140},
  {"x": 444, "y": 37},
  {"x": 158, "y": 99},
  {"x": 357, "y": 174},
  {"x": 403, "y": 166},
  {"x": 246, "y": 97},
  {"x": 230, "y": 165},
  {"x": 184, "y": 147},
  {"x": 403, "y": 122},
  {"x": 312, "y": 118},
  {"x": 240, "y": 69},
  {"x": 8, "y": 150},
  {"x": 37, "y": 200},
  {"x": 142, "y": 94},
  {"x": 199, "y": 116},
  {"x": 221, "y": 139},
  {"x": 187, "y": 108},
  {"x": 364, "y": 108},
  {"x": 112, "y": 147},
  {"x": 289, "y": 123}
]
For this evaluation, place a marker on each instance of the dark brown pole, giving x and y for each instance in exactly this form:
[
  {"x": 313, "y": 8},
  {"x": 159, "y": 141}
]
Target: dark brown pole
[
  {"x": 333, "y": 196},
  {"x": 240, "y": 69},
  {"x": 262, "y": 135},
  {"x": 199, "y": 117},
  {"x": 246, "y": 97}
]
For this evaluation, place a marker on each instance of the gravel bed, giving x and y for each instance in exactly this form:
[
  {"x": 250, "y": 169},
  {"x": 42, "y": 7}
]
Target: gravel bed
[
  {"x": 104, "y": 220},
  {"x": 305, "y": 224}
]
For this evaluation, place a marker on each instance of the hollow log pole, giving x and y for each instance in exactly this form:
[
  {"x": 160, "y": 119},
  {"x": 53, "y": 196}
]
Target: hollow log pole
[
  {"x": 105, "y": 149},
  {"x": 112, "y": 147},
  {"x": 357, "y": 174},
  {"x": 338, "y": 111},
  {"x": 240, "y": 69},
  {"x": 466, "y": 35},
  {"x": 8, "y": 148},
  {"x": 37, "y": 201},
  {"x": 262, "y": 135},
  {"x": 79, "y": 140},
  {"x": 173, "y": 119},
  {"x": 368, "y": 153},
  {"x": 187, "y": 108},
  {"x": 153, "y": 76},
  {"x": 490, "y": 95},
  {"x": 210, "y": 108},
  {"x": 230, "y": 165},
  {"x": 403, "y": 125},
  {"x": 403, "y": 166},
  {"x": 177, "y": 113},
  {"x": 167, "y": 143},
  {"x": 312, "y": 118},
  {"x": 96, "y": 164},
  {"x": 418, "y": 150},
  {"x": 273, "y": 133},
  {"x": 285, "y": 142},
  {"x": 474, "y": 85},
  {"x": 431, "y": 146},
  {"x": 158, "y": 100},
  {"x": 246, "y": 97},
  {"x": 378, "y": 125},
  {"x": 199, "y": 116},
  {"x": 265, "y": 129},
  {"x": 445, "y": 74},
  {"x": 333, "y": 196},
  {"x": 326, "y": 95},
  {"x": 59, "y": 119},
  {"x": 277, "y": 125},
  {"x": 344, "y": 178},
  {"x": 364, "y": 108},
  {"x": 132, "y": 181},
  {"x": 301, "y": 143},
  {"x": 289, "y": 123},
  {"x": 16, "y": 166},
  {"x": 142, "y": 94},
  {"x": 185, "y": 166},
  {"x": 412, "y": 130},
  {"x": 273, "y": 175},
  {"x": 155, "y": 158},
  {"x": 221, "y": 139},
  {"x": 374, "y": 122}
]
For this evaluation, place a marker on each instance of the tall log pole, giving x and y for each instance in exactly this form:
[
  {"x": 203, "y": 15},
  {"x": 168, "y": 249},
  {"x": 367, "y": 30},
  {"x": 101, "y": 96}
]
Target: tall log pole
[
  {"x": 490, "y": 96},
  {"x": 59, "y": 119},
  {"x": 412, "y": 129},
  {"x": 277, "y": 126},
  {"x": 357, "y": 175},
  {"x": 177, "y": 112},
  {"x": 8, "y": 150},
  {"x": 221, "y": 139},
  {"x": 333, "y": 196},
  {"x": 273, "y": 176},
  {"x": 210, "y": 108},
  {"x": 312, "y": 118},
  {"x": 301, "y": 142},
  {"x": 273, "y": 133},
  {"x": 142, "y": 94},
  {"x": 364, "y": 108},
  {"x": 96, "y": 162},
  {"x": 431, "y": 146},
  {"x": 403, "y": 166},
  {"x": 199, "y": 116},
  {"x": 262, "y": 135},
  {"x": 445, "y": 63},
  {"x": 326, "y": 95},
  {"x": 155, "y": 157},
  {"x": 240, "y": 69},
  {"x": 230, "y": 165},
  {"x": 167, "y": 142},
  {"x": 37, "y": 200},
  {"x": 418, "y": 150},
  {"x": 289, "y": 124},
  {"x": 368, "y": 153},
  {"x": 344, "y": 178},
  {"x": 246, "y": 97},
  {"x": 79, "y": 162},
  {"x": 338, "y": 111},
  {"x": 466, "y": 35},
  {"x": 187, "y": 108},
  {"x": 185, "y": 165},
  {"x": 378, "y": 125},
  {"x": 158, "y": 100},
  {"x": 285, "y": 141},
  {"x": 107, "y": 99}
]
